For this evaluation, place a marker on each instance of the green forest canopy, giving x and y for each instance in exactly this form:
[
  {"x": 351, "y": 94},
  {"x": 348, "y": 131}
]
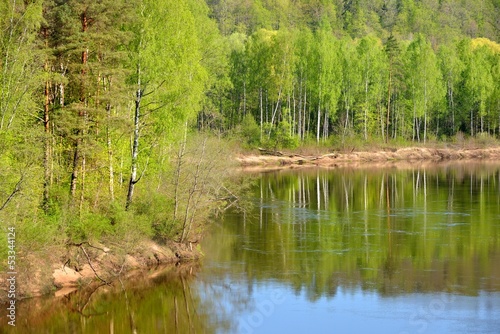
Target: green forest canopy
[{"x": 94, "y": 94}]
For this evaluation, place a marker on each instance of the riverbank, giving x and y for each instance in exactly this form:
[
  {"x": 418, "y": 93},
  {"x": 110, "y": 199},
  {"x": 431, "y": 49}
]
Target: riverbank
[
  {"x": 277, "y": 159},
  {"x": 61, "y": 271}
]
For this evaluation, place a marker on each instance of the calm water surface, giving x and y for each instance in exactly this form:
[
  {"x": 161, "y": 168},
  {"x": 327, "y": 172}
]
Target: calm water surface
[
  {"x": 328, "y": 251},
  {"x": 360, "y": 250}
]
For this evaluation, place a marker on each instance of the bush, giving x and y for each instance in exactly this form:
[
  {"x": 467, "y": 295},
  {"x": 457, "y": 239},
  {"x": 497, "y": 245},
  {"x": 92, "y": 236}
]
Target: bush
[
  {"x": 250, "y": 131},
  {"x": 484, "y": 139},
  {"x": 88, "y": 226},
  {"x": 283, "y": 137}
]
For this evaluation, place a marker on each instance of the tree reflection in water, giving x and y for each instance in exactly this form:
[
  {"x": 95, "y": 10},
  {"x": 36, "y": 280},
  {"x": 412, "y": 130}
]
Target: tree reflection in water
[
  {"x": 157, "y": 302},
  {"x": 392, "y": 230}
]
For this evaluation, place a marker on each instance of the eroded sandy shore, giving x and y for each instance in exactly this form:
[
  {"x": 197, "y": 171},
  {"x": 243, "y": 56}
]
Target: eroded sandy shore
[{"x": 402, "y": 156}]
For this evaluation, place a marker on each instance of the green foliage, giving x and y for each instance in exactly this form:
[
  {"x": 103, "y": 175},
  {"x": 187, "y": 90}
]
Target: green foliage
[
  {"x": 170, "y": 62},
  {"x": 282, "y": 136},
  {"x": 249, "y": 131},
  {"x": 198, "y": 182},
  {"x": 424, "y": 82},
  {"x": 276, "y": 73},
  {"x": 372, "y": 66}
]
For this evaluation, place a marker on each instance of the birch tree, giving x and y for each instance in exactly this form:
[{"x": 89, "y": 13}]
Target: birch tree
[
  {"x": 328, "y": 78},
  {"x": 168, "y": 79},
  {"x": 451, "y": 67},
  {"x": 424, "y": 82},
  {"x": 371, "y": 66}
]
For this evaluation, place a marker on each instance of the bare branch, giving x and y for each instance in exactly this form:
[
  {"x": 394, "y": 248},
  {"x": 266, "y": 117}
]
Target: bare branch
[
  {"x": 17, "y": 188},
  {"x": 91, "y": 266},
  {"x": 154, "y": 90}
]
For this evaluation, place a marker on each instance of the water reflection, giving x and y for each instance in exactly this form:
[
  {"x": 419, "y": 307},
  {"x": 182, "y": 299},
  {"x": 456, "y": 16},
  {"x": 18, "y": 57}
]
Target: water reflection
[
  {"x": 158, "y": 302},
  {"x": 393, "y": 231}
]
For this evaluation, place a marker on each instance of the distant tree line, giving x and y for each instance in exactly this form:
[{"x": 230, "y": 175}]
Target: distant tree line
[
  {"x": 299, "y": 84},
  {"x": 407, "y": 70}
]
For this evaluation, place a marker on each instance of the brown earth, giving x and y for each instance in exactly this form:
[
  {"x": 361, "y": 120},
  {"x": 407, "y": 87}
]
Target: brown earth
[
  {"x": 272, "y": 160},
  {"x": 79, "y": 265}
]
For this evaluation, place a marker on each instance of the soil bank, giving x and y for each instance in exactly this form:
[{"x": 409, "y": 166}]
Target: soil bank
[
  {"x": 62, "y": 271},
  {"x": 272, "y": 160}
]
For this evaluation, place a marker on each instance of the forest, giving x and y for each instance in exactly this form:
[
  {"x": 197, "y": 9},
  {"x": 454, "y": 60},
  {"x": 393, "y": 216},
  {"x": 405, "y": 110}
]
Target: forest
[{"x": 114, "y": 115}]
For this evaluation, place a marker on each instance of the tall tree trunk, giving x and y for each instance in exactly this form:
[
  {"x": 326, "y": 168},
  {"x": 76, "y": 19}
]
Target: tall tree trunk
[
  {"x": 135, "y": 144},
  {"x": 81, "y": 113},
  {"x": 47, "y": 139},
  {"x": 74, "y": 174},
  {"x": 451, "y": 106},
  {"x": 267, "y": 105},
  {"x": 244, "y": 99},
  {"x": 82, "y": 194},
  {"x": 261, "y": 113},
  {"x": 299, "y": 116},
  {"x": 294, "y": 112},
  {"x": 319, "y": 123},
  {"x": 188, "y": 215},
  {"x": 319, "y": 115},
  {"x": 388, "y": 107},
  {"x": 304, "y": 114},
  {"x": 47, "y": 149},
  {"x": 415, "y": 129},
  {"x": 325, "y": 125},
  {"x": 425, "y": 112},
  {"x": 471, "y": 123},
  {"x": 366, "y": 111},
  {"x": 178, "y": 172},
  {"x": 110, "y": 154},
  {"x": 275, "y": 111},
  {"x": 346, "y": 123}
]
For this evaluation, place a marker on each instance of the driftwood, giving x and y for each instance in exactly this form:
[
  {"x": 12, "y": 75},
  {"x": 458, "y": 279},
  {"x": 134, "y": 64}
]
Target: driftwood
[{"x": 265, "y": 151}]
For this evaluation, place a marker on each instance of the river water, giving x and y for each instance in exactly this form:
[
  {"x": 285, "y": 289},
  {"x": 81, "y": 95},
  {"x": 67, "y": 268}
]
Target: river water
[{"x": 382, "y": 250}]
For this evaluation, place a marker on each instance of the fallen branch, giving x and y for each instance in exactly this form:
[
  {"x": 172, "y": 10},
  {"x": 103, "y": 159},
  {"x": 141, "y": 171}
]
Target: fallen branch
[{"x": 105, "y": 250}]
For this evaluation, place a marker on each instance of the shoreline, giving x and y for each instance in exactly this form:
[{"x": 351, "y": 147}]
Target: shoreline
[
  {"x": 380, "y": 158},
  {"x": 62, "y": 271}
]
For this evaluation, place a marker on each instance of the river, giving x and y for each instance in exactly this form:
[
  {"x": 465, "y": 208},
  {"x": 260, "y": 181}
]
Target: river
[{"x": 346, "y": 250}]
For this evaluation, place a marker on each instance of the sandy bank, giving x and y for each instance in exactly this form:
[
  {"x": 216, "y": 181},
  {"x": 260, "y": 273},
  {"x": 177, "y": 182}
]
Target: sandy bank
[
  {"x": 338, "y": 159},
  {"x": 60, "y": 272}
]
